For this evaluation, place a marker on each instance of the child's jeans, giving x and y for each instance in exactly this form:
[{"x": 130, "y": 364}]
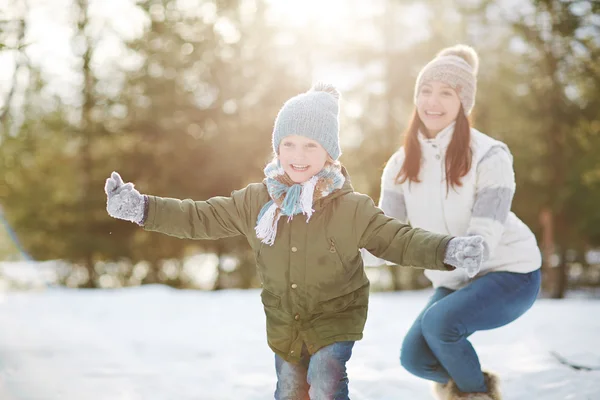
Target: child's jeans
[
  {"x": 321, "y": 376},
  {"x": 436, "y": 346}
]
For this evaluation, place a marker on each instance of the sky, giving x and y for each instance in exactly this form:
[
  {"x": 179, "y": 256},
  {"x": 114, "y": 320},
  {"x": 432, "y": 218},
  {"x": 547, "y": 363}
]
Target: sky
[{"x": 154, "y": 342}]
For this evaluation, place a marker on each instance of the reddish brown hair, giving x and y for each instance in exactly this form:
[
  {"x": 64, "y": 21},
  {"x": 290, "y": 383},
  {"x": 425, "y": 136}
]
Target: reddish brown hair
[{"x": 458, "y": 154}]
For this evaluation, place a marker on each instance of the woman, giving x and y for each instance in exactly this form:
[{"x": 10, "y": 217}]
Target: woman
[{"x": 450, "y": 178}]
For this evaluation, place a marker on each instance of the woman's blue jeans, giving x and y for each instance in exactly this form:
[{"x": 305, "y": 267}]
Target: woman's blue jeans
[{"x": 436, "y": 346}]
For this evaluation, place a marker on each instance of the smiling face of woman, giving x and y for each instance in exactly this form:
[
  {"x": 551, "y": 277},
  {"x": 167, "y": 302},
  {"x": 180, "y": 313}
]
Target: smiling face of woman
[
  {"x": 438, "y": 106},
  {"x": 301, "y": 157}
]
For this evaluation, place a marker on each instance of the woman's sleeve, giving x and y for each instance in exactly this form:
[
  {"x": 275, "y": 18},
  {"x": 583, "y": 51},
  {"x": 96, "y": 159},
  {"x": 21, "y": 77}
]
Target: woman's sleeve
[
  {"x": 493, "y": 197},
  {"x": 391, "y": 201}
]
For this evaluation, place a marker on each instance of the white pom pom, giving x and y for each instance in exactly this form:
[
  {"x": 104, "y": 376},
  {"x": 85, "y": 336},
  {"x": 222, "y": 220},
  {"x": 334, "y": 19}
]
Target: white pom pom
[
  {"x": 465, "y": 52},
  {"x": 326, "y": 87}
]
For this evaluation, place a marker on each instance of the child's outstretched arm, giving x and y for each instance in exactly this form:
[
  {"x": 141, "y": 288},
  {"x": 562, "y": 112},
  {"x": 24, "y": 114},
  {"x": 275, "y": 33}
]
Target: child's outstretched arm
[
  {"x": 390, "y": 239},
  {"x": 215, "y": 218}
]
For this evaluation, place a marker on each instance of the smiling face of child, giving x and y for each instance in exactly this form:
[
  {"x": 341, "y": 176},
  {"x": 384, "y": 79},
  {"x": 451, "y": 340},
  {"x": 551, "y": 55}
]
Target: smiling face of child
[{"x": 301, "y": 157}]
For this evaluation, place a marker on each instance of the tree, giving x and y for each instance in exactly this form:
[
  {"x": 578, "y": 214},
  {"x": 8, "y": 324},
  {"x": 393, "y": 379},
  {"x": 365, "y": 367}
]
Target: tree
[{"x": 553, "y": 36}]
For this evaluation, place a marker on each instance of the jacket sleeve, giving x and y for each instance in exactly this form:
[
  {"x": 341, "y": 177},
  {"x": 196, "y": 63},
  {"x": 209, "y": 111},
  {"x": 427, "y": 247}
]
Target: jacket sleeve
[
  {"x": 493, "y": 197},
  {"x": 390, "y": 239},
  {"x": 215, "y": 218}
]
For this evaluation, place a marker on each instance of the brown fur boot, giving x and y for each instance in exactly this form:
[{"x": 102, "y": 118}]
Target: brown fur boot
[
  {"x": 450, "y": 391},
  {"x": 441, "y": 390}
]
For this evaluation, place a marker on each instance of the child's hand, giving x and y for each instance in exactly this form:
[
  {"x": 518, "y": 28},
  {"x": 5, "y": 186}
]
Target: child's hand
[
  {"x": 123, "y": 201},
  {"x": 465, "y": 252}
]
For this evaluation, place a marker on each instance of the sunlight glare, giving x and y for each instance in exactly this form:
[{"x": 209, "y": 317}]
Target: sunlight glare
[{"x": 302, "y": 13}]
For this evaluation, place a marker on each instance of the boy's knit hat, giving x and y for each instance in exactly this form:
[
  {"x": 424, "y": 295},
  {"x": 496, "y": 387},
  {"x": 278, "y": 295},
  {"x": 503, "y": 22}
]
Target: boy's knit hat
[
  {"x": 456, "y": 66},
  {"x": 313, "y": 114}
]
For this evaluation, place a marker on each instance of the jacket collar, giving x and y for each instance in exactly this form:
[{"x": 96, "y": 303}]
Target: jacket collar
[{"x": 442, "y": 139}]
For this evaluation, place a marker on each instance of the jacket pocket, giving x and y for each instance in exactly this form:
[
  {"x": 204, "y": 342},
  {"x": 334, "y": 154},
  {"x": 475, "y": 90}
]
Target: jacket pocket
[
  {"x": 270, "y": 299},
  {"x": 334, "y": 252},
  {"x": 340, "y": 303}
]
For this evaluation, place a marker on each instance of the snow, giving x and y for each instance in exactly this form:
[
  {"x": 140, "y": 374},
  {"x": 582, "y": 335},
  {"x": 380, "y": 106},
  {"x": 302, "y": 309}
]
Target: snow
[
  {"x": 154, "y": 342},
  {"x": 28, "y": 275}
]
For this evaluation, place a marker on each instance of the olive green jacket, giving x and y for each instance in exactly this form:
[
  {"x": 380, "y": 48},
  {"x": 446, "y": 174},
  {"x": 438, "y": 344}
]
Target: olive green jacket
[{"x": 314, "y": 288}]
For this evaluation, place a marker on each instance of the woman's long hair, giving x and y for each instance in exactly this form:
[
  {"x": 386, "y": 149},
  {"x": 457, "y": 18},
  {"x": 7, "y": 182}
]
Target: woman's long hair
[{"x": 458, "y": 153}]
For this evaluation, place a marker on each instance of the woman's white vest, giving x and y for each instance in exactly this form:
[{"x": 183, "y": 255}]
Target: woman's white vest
[{"x": 473, "y": 208}]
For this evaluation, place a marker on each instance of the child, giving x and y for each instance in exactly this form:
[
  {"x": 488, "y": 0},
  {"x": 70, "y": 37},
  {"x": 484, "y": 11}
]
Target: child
[{"x": 306, "y": 226}]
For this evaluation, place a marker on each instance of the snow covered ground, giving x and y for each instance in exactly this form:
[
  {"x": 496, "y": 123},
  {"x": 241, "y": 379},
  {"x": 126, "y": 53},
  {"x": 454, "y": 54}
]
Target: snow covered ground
[{"x": 158, "y": 343}]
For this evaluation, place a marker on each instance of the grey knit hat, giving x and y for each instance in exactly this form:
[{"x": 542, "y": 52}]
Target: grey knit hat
[
  {"x": 455, "y": 66},
  {"x": 313, "y": 114}
]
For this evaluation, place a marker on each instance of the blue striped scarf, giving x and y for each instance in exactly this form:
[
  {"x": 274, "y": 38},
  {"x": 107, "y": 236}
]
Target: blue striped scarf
[{"x": 289, "y": 198}]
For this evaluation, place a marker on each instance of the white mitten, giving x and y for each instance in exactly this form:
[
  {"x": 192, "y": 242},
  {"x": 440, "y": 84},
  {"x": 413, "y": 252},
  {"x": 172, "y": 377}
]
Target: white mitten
[
  {"x": 465, "y": 252},
  {"x": 123, "y": 200}
]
